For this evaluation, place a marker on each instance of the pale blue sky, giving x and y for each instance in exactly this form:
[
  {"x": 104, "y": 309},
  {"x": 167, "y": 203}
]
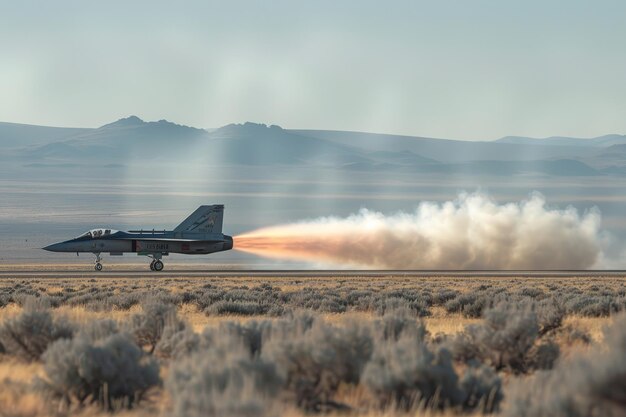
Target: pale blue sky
[{"x": 455, "y": 69}]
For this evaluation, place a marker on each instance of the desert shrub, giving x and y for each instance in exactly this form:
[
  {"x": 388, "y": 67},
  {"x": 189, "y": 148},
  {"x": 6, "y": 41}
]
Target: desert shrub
[
  {"x": 504, "y": 339},
  {"x": 161, "y": 296},
  {"x": 550, "y": 315},
  {"x": 593, "y": 305},
  {"x": 366, "y": 303},
  {"x": 180, "y": 340},
  {"x": 531, "y": 292},
  {"x": 411, "y": 295},
  {"x": 443, "y": 296},
  {"x": 399, "y": 322},
  {"x": 208, "y": 297},
  {"x": 99, "y": 329},
  {"x": 24, "y": 295},
  {"x": 406, "y": 374},
  {"x": 223, "y": 381},
  {"x": 84, "y": 296},
  {"x": 315, "y": 361},
  {"x": 569, "y": 335},
  {"x": 111, "y": 372},
  {"x": 242, "y": 301},
  {"x": 187, "y": 297},
  {"x": 332, "y": 305},
  {"x": 147, "y": 327},
  {"x": 329, "y": 301},
  {"x": 589, "y": 384},
  {"x": 123, "y": 301},
  {"x": 28, "y": 334},
  {"x": 418, "y": 307},
  {"x": 92, "y": 299},
  {"x": 103, "y": 299},
  {"x": 291, "y": 326},
  {"x": 543, "y": 355},
  {"x": 177, "y": 340},
  {"x": 482, "y": 389},
  {"x": 360, "y": 299},
  {"x": 470, "y": 304},
  {"x": 249, "y": 335},
  {"x": 236, "y": 307}
]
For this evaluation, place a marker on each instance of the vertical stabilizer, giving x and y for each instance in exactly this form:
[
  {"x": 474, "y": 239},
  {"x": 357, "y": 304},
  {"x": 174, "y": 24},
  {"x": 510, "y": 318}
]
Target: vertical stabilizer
[{"x": 206, "y": 219}]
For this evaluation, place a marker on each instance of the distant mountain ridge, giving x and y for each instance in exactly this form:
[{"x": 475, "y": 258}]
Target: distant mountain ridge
[
  {"x": 129, "y": 121},
  {"x": 131, "y": 140},
  {"x": 132, "y": 122},
  {"x": 13, "y": 135},
  {"x": 448, "y": 150},
  {"x": 600, "y": 141}
]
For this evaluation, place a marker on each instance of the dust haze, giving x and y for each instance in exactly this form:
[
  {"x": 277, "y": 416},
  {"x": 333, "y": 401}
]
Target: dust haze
[{"x": 471, "y": 232}]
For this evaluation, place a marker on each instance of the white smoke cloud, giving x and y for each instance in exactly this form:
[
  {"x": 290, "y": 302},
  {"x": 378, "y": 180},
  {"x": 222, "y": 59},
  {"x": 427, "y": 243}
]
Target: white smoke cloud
[{"x": 471, "y": 232}]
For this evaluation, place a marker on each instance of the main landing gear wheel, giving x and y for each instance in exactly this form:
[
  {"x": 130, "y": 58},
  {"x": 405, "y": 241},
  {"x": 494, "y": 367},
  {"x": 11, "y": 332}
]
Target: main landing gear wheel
[
  {"x": 152, "y": 266},
  {"x": 158, "y": 265}
]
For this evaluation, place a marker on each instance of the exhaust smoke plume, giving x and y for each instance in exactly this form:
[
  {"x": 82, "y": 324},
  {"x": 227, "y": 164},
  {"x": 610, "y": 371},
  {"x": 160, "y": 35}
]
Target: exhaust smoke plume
[{"x": 472, "y": 232}]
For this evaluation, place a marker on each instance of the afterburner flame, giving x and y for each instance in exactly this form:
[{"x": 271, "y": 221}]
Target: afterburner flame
[
  {"x": 291, "y": 243},
  {"x": 472, "y": 232}
]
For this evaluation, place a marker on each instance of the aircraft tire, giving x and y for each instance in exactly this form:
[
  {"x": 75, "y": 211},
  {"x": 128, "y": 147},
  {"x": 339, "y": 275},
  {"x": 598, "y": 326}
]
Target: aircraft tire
[
  {"x": 158, "y": 266},
  {"x": 98, "y": 266},
  {"x": 152, "y": 266}
]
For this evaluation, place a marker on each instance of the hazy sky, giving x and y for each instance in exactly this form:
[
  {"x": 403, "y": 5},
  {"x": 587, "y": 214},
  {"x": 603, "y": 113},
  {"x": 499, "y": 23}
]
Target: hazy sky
[{"x": 458, "y": 69}]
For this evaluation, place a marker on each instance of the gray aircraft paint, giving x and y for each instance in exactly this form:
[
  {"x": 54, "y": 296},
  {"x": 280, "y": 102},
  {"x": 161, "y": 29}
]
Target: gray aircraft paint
[{"x": 199, "y": 234}]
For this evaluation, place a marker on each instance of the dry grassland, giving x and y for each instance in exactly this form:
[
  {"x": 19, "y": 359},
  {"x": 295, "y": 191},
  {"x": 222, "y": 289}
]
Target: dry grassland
[{"x": 503, "y": 332}]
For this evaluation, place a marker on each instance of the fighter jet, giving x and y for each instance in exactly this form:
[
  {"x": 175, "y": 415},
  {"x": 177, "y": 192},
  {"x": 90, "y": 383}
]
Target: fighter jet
[{"x": 200, "y": 234}]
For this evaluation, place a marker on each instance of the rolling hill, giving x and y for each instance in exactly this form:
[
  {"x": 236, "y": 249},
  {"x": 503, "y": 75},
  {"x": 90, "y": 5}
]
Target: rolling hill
[{"x": 132, "y": 141}]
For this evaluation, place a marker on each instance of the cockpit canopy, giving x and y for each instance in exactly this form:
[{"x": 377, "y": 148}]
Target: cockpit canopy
[{"x": 98, "y": 233}]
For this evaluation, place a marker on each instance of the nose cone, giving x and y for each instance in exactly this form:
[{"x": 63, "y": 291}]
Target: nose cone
[{"x": 56, "y": 247}]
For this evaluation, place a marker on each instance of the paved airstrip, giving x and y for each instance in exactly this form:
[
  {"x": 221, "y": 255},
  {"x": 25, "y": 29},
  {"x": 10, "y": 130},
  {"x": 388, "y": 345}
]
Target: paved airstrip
[{"x": 208, "y": 273}]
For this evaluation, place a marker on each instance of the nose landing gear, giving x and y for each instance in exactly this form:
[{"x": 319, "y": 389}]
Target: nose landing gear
[{"x": 98, "y": 265}]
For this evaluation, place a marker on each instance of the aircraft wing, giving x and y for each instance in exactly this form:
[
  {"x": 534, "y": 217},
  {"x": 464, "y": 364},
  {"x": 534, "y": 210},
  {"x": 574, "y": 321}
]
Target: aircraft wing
[{"x": 164, "y": 239}]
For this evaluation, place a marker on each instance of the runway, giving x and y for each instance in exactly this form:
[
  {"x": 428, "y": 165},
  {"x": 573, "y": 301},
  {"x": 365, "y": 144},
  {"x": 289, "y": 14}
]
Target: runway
[{"x": 208, "y": 273}]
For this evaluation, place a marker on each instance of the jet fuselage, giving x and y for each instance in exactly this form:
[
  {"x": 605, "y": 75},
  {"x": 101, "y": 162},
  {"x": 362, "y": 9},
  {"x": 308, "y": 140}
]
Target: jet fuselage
[
  {"x": 145, "y": 243},
  {"x": 199, "y": 234}
]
